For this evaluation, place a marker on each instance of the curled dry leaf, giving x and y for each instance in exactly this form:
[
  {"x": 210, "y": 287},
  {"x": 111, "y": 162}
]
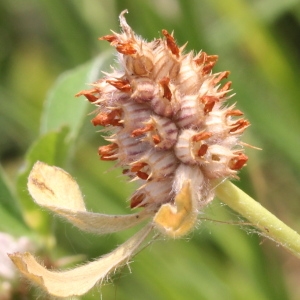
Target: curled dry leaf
[
  {"x": 55, "y": 189},
  {"x": 81, "y": 279},
  {"x": 179, "y": 218}
]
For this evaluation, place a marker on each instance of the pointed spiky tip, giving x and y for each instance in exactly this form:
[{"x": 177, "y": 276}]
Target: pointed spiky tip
[{"x": 168, "y": 120}]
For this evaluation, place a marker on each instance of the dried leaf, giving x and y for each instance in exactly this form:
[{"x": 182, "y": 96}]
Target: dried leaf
[
  {"x": 56, "y": 190},
  {"x": 79, "y": 280},
  {"x": 102, "y": 223},
  {"x": 179, "y": 218},
  {"x": 52, "y": 186}
]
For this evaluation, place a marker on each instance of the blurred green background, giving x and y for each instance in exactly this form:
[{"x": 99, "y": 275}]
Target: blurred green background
[{"x": 257, "y": 40}]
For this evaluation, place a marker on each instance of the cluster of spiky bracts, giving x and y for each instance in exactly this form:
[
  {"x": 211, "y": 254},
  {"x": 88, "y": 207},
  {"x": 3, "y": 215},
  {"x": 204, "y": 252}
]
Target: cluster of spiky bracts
[{"x": 167, "y": 117}]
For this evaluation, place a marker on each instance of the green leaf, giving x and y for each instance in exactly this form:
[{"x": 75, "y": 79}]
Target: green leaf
[
  {"x": 7, "y": 197},
  {"x": 10, "y": 215},
  {"x": 52, "y": 149},
  {"x": 12, "y": 225},
  {"x": 61, "y": 107}
]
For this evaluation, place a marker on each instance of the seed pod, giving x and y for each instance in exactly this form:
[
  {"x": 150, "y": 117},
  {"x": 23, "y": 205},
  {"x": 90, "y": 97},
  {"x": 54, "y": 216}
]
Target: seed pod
[
  {"x": 166, "y": 59},
  {"x": 155, "y": 165},
  {"x": 134, "y": 115},
  {"x": 191, "y": 114},
  {"x": 143, "y": 89},
  {"x": 217, "y": 162},
  {"x": 160, "y": 132},
  {"x": 129, "y": 149},
  {"x": 192, "y": 146},
  {"x": 153, "y": 193}
]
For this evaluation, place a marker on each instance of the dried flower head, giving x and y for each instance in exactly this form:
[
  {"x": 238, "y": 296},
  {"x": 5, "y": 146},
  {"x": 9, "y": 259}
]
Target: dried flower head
[
  {"x": 168, "y": 121},
  {"x": 170, "y": 130}
]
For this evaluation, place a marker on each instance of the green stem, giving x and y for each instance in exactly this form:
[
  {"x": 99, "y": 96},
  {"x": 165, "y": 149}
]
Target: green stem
[{"x": 260, "y": 217}]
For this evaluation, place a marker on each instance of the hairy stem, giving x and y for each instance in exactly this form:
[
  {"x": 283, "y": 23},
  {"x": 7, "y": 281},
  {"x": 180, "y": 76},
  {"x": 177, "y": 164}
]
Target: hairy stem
[{"x": 260, "y": 217}]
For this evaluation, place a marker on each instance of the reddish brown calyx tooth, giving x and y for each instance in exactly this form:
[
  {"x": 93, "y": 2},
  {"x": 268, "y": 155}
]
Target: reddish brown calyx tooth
[
  {"x": 201, "y": 136},
  {"x": 106, "y": 119},
  {"x": 212, "y": 58},
  {"x": 239, "y": 126},
  {"x": 149, "y": 127},
  {"x": 234, "y": 113},
  {"x": 206, "y": 59},
  {"x": 138, "y": 166},
  {"x": 221, "y": 76},
  {"x": 88, "y": 94},
  {"x": 171, "y": 43},
  {"x": 142, "y": 130},
  {"x": 126, "y": 48},
  {"x": 202, "y": 59},
  {"x": 110, "y": 38},
  {"x": 209, "y": 103},
  {"x": 225, "y": 88},
  {"x": 136, "y": 200},
  {"x": 165, "y": 85},
  {"x": 120, "y": 84},
  {"x": 202, "y": 150},
  {"x": 106, "y": 152},
  {"x": 238, "y": 162},
  {"x": 208, "y": 67},
  {"x": 142, "y": 175},
  {"x": 156, "y": 139}
]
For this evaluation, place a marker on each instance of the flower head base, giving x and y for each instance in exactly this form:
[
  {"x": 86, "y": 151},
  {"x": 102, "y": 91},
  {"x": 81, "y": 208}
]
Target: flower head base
[
  {"x": 169, "y": 123},
  {"x": 170, "y": 130}
]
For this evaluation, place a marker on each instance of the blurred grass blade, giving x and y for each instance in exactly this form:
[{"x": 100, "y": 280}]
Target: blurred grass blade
[
  {"x": 12, "y": 225},
  {"x": 11, "y": 218},
  {"x": 7, "y": 197}
]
